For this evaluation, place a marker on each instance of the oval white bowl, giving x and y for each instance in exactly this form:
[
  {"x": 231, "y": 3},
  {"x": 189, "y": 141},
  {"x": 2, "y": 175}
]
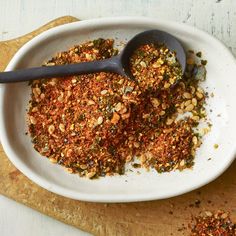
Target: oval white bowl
[{"x": 221, "y": 70}]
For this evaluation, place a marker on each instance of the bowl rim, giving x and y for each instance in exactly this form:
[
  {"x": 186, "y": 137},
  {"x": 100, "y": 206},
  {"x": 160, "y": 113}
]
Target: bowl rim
[{"x": 103, "y": 197}]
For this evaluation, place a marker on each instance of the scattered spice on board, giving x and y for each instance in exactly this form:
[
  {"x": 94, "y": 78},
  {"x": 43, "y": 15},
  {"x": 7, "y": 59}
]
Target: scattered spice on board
[
  {"x": 215, "y": 224},
  {"x": 96, "y": 123}
]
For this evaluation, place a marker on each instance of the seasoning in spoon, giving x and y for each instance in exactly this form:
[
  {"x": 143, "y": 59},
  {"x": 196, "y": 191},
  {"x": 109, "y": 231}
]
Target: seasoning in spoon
[{"x": 155, "y": 66}]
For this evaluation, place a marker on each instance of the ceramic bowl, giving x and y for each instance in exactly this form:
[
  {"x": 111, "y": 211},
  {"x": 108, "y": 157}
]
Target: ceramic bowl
[{"x": 209, "y": 162}]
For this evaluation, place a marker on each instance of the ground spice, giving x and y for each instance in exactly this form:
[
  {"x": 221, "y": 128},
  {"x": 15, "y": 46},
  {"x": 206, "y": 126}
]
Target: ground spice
[
  {"x": 155, "y": 66},
  {"x": 93, "y": 124},
  {"x": 215, "y": 224}
]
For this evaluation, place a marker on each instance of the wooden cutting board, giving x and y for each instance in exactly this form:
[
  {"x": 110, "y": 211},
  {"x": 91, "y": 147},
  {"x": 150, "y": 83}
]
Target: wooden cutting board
[{"x": 165, "y": 217}]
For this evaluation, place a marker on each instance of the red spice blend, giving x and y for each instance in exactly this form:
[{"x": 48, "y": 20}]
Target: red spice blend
[
  {"x": 215, "y": 224},
  {"x": 93, "y": 124}
]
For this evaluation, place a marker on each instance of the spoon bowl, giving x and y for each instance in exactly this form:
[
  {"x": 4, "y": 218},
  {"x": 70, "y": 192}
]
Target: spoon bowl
[
  {"x": 155, "y": 37},
  {"x": 118, "y": 64}
]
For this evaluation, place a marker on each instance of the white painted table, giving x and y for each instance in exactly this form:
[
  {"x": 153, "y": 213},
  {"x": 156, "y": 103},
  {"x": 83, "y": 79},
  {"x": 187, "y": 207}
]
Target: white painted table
[{"x": 17, "y": 17}]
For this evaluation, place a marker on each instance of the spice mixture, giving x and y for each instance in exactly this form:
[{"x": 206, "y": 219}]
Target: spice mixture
[
  {"x": 93, "y": 124},
  {"x": 155, "y": 67},
  {"x": 208, "y": 223}
]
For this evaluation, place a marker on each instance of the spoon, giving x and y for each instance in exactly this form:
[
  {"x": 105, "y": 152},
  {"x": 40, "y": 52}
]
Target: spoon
[{"x": 118, "y": 64}]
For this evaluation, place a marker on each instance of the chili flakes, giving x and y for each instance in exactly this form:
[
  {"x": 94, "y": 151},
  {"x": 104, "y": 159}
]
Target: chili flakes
[{"x": 94, "y": 124}]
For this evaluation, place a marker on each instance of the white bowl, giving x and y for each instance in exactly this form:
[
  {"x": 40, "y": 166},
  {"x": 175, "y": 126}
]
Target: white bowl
[{"x": 221, "y": 71}]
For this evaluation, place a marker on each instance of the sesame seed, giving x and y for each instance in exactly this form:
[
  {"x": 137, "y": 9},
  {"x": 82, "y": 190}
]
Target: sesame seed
[
  {"x": 187, "y": 95},
  {"x": 103, "y": 92},
  {"x": 99, "y": 120},
  {"x": 189, "y": 107},
  {"x": 62, "y": 127},
  {"x": 51, "y": 129}
]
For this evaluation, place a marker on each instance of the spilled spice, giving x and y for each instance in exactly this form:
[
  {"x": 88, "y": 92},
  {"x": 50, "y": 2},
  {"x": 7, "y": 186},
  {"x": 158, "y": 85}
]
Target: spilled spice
[
  {"x": 94, "y": 124},
  {"x": 215, "y": 224}
]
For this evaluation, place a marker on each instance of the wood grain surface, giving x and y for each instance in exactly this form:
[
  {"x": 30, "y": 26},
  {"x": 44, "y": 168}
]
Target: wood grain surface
[{"x": 163, "y": 217}]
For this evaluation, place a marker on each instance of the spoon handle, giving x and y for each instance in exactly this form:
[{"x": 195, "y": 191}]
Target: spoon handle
[{"x": 107, "y": 65}]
